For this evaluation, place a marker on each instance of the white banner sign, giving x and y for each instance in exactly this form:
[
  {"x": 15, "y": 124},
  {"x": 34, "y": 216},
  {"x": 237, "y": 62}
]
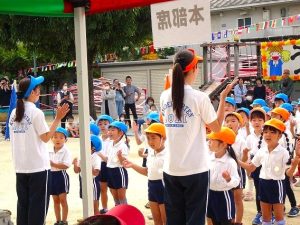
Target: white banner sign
[{"x": 181, "y": 22}]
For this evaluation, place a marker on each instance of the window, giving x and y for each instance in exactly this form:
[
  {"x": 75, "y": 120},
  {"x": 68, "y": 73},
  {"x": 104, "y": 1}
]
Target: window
[{"x": 244, "y": 22}]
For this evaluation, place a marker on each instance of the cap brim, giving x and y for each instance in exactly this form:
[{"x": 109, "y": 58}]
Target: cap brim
[
  {"x": 199, "y": 58},
  {"x": 34, "y": 81}
]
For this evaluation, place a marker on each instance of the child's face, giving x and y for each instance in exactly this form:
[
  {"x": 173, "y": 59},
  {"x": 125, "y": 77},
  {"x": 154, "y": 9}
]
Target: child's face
[
  {"x": 114, "y": 133},
  {"x": 58, "y": 140},
  {"x": 228, "y": 107},
  {"x": 233, "y": 123},
  {"x": 70, "y": 120},
  {"x": 257, "y": 123},
  {"x": 278, "y": 102},
  {"x": 215, "y": 145},
  {"x": 276, "y": 116},
  {"x": 271, "y": 137},
  {"x": 103, "y": 125},
  {"x": 155, "y": 141}
]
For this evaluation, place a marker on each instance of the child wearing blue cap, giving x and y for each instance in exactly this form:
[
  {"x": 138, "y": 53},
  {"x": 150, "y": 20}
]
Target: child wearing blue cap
[
  {"x": 117, "y": 152},
  {"x": 103, "y": 122},
  {"x": 230, "y": 105},
  {"x": 29, "y": 134},
  {"x": 96, "y": 146},
  {"x": 60, "y": 161},
  {"x": 280, "y": 98},
  {"x": 245, "y": 128}
]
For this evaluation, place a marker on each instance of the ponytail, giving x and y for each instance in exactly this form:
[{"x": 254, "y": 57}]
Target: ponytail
[
  {"x": 260, "y": 141},
  {"x": 233, "y": 155},
  {"x": 20, "y": 108},
  {"x": 177, "y": 90},
  {"x": 288, "y": 147}
]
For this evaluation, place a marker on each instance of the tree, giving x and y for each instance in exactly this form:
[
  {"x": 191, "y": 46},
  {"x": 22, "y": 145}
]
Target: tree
[{"x": 53, "y": 38}]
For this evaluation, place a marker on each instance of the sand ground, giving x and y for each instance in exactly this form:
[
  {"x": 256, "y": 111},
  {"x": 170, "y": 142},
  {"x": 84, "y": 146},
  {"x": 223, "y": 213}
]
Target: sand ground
[{"x": 136, "y": 194}]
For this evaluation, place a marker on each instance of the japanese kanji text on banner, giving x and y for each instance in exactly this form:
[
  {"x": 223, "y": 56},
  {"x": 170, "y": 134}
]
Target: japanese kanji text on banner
[{"x": 181, "y": 22}]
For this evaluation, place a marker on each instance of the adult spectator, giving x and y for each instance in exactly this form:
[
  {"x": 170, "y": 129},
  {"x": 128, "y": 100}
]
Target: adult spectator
[
  {"x": 108, "y": 105},
  {"x": 259, "y": 90},
  {"x": 186, "y": 112},
  {"x": 64, "y": 96},
  {"x": 240, "y": 92},
  {"x": 5, "y": 92},
  {"x": 130, "y": 100},
  {"x": 120, "y": 95},
  {"x": 286, "y": 85}
]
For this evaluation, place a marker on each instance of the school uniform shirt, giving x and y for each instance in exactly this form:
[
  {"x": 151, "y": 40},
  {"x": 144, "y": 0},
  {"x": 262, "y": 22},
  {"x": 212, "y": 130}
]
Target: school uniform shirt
[
  {"x": 155, "y": 162},
  {"x": 297, "y": 119},
  {"x": 112, "y": 150},
  {"x": 186, "y": 148},
  {"x": 63, "y": 156},
  {"x": 96, "y": 162},
  {"x": 284, "y": 143},
  {"x": 252, "y": 143},
  {"x": 105, "y": 144},
  {"x": 239, "y": 145},
  {"x": 29, "y": 152},
  {"x": 273, "y": 163},
  {"x": 243, "y": 131},
  {"x": 220, "y": 165}
]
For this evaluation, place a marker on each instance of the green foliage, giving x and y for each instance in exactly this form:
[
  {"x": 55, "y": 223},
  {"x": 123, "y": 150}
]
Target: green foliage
[{"x": 164, "y": 52}]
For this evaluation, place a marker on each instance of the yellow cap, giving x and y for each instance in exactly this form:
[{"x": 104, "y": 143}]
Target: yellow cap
[
  {"x": 276, "y": 123},
  {"x": 157, "y": 128},
  {"x": 237, "y": 115},
  {"x": 282, "y": 112},
  {"x": 225, "y": 134}
]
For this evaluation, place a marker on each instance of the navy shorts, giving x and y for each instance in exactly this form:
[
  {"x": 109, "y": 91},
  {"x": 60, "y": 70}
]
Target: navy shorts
[
  {"x": 220, "y": 205},
  {"x": 117, "y": 178},
  {"x": 272, "y": 191},
  {"x": 96, "y": 189},
  {"x": 242, "y": 183},
  {"x": 102, "y": 177},
  {"x": 156, "y": 191},
  {"x": 60, "y": 182}
]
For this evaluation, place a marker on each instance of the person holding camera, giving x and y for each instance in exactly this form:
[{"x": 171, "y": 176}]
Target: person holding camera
[
  {"x": 64, "y": 96},
  {"x": 120, "y": 95},
  {"x": 108, "y": 105}
]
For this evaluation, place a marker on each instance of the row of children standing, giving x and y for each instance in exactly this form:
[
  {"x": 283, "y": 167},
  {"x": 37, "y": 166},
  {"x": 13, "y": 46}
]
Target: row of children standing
[{"x": 108, "y": 151}]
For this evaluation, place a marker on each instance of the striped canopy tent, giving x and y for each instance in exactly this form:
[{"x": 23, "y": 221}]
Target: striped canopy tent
[{"x": 77, "y": 9}]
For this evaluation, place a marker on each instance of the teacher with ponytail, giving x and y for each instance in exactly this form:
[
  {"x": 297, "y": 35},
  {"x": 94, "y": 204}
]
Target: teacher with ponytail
[
  {"x": 29, "y": 134},
  {"x": 186, "y": 112}
]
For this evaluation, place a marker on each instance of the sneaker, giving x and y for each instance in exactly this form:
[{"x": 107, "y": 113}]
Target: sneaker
[
  {"x": 103, "y": 211},
  {"x": 57, "y": 223},
  {"x": 147, "y": 206},
  {"x": 63, "y": 223},
  {"x": 293, "y": 212},
  {"x": 257, "y": 219}
]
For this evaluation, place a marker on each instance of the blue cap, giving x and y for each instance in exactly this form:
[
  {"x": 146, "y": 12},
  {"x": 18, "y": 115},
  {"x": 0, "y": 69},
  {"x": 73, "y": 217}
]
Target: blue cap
[
  {"x": 260, "y": 102},
  {"x": 105, "y": 117},
  {"x": 121, "y": 126},
  {"x": 245, "y": 110},
  {"x": 153, "y": 116},
  {"x": 282, "y": 96},
  {"x": 231, "y": 101},
  {"x": 287, "y": 106},
  {"x": 266, "y": 108},
  {"x": 94, "y": 129},
  {"x": 63, "y": 131},
  {"x": 34, "y": 81},
  {"x": 96, "y": 142}
]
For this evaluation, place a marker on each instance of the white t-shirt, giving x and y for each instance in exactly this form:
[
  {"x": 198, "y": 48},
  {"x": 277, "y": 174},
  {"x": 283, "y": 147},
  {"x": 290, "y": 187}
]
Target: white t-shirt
[
  {"x": 252, "y": 143},
  {"x": 29, "y": 152},
  {"x": 238, "y": 146},
  {"x": 96, "y": 162},
  {"x": 105, "y": 144},
  {"x": 273, "y": 163},
  {"x": 112, "y": 150},
  {"x": 155, "y": 162},
  {"x": 186, "y": 148},
  {"x": 220, "y": 165},
  {"x": 63, "y": 156},
  {"x": 297, "y": 119}
]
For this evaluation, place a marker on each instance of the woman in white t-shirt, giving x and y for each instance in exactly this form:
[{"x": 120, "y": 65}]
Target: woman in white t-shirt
[
  {"x": 185, "y": 113},
  {"x": 29, "y": 134}
]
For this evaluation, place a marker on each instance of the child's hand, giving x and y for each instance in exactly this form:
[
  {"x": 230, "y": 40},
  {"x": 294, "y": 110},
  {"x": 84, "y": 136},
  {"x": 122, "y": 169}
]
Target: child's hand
[
  {"x": 296, "y": 161},
  {"x": 245, "y": 152},
  {"x": 226, "y": 176},
  {"x": 119, "y": 153},
  {"x": 228, "y": 88},
  {"x": 75, "y": 161},
  {"x": 51, "y": 163},
  {"x": 127, "y": 164},
  {"x": 135, "y": 127}
]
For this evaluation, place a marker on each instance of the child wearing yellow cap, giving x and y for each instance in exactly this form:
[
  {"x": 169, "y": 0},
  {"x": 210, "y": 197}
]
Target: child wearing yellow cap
[
  {"x": 234, "y": 121},
  {"x": 156, "y": 136},
  {"x": 272, "y": 159},
  {"x": 224, "y": 177}
]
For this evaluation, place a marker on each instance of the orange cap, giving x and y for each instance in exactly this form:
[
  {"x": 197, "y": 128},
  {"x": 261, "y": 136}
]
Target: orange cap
[
  {"x": 258, "y": 110},
  {"x": 237, "y": 115},
  {"x": 276, "y": 123},
  {"x": 225, "y": 134},
  {"x": 167, "y": 84},
  {"x": 194, "y": 61},
  {"x": 157, "y": 128},
  {"x": 282, "y": 112}
]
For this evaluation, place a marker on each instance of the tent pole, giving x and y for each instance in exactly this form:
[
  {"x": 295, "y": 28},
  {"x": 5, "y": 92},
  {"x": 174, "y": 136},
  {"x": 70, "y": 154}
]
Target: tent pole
[{"x": 83, "y": 109}]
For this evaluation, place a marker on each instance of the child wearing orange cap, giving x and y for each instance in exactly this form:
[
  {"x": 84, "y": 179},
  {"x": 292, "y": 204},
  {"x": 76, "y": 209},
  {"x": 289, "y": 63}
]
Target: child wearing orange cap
[
  {"x": 272, "y": 159},
  {"x": 234, "y": 121},
  {"x": 224, "y": 177},
  {"x": 156, "y": 136},
  {"x": 286, "y": 142},
  {"x": 254, "y": 143}
]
